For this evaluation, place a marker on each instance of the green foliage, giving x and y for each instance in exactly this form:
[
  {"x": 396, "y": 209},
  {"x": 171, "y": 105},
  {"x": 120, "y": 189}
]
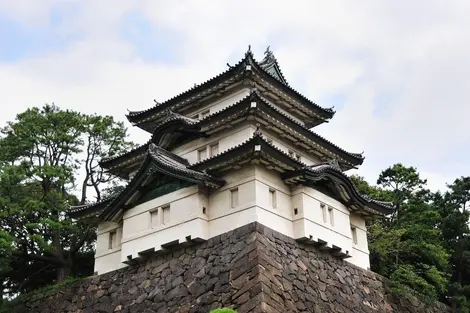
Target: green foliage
[
  {"x": 223, "y": 311},
  {"x": 6, "y": 305},
  {"x": 408, "y": 246},
  {"x": 42, "y": 153},
  {"x": 6, "y": 249}
]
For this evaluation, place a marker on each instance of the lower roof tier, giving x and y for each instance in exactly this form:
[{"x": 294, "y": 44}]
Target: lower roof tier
[{"x": 164, "y": 166}]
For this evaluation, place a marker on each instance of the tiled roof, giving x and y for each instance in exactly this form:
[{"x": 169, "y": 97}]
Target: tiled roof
[
  {"x": 157, "y": 160},
  {"x": 270, "y": 63},
  {"x": 330, "y": 170},
  {"x": 354, "y": 158},
  {"x": 254, "y": 96},
  {"x": 138, "y": 117},
  {"x": 255, "y": 139}
]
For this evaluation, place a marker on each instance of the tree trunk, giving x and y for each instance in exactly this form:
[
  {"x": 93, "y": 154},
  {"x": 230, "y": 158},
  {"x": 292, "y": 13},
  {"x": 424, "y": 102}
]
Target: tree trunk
[{"x": 63, "y": 272}]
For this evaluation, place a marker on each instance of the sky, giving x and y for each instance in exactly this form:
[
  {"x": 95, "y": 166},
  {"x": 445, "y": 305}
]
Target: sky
[{"x": 397, "y": 72}]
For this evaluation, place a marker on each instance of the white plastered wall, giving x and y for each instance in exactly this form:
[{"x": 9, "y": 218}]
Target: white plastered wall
[
  {"x": 233, "y": 98},
  {"x": 108, "y": 258},
  {"x": 295, "y": 211},
  {"x": 222, "y": 103},
  {"x": 236, "y": 136},
  {"x": 225, "y": 141}
]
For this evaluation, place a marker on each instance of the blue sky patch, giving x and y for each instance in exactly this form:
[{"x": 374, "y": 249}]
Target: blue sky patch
[
  {"x": 18, "y": 41},
  {"x": 153, "y": 44}
]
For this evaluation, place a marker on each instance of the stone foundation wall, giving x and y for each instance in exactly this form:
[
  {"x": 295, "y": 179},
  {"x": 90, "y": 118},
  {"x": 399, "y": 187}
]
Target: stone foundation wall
[{"x": 252, "y": 269}]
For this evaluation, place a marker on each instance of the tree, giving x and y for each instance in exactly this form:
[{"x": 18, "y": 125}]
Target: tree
[
  {"x": 407, "y": 246},
  {"x": 103, "y": 138},
  {"x": 402, "y": 182},
  {"x": 40, "y": 158},
  {"x": 456, "y": 234}
]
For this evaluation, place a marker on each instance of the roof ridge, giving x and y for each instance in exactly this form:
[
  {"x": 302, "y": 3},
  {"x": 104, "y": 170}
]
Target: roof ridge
[
  {"x": 195, "y": 86},
  {"x": 248, "y": 59}
]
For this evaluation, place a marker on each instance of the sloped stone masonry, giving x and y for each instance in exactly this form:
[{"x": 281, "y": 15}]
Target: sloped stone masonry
[{"x": 251, "y": 269}]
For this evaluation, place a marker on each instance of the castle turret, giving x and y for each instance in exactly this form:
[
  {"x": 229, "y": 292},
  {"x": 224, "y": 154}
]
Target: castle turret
[{"x": 234, "y": 150}]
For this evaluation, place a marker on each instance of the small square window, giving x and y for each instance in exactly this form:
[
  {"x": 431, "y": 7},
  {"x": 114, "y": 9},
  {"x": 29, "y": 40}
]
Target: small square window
[
  {"x": 214, "y": 149},
  {"x": 202, "y": 154},
  {"x": 204, "y": 113}
]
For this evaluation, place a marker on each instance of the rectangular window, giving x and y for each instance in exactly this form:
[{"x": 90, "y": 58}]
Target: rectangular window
[
  {"x": 154, "y": 222},
  {"x": 272, "y": 198},
  {"x": 234, "y": 198},
  {"x": 112, "y": 239},
  {"x": 202, "y": 154},
  {"x": 204, "y": 113},
  {"x": 214, "y": 149},
  {"x": 332, "y": 218},
  {"x": 166, "y": 214},
  {"x": 354, "y": 234},
  {"x": 323, "y": 212}
]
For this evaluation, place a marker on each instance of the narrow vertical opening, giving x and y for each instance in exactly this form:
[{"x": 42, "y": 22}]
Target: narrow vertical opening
[
  {"x": 332, "y": 217},
  {"x": 203, "y": 210},
  {"x": 354, "y": 234},
  {"x": 296, "y": 211},
  {"x": 112, "y": 239},
  {"x": 272, "y": 198},
  {"x": 323, "y": 212},
  {"x": 166, "y": 214},
  {"x": 154, "y": 222},
  {"x": 234, "y": 198}
]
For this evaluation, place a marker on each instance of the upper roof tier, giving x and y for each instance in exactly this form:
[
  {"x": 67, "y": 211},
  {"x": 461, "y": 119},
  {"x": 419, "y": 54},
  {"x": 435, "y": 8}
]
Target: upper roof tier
[
  {"x": 265, "y": 76},
  {"x": 173, "y": 128}
]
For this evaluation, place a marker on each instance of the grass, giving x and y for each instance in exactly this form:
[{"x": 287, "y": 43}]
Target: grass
[{"x": 5, "y": 305}]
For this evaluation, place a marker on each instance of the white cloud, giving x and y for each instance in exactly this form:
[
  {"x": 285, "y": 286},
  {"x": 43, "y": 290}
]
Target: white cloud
[{"x": 413, "y": 56}]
